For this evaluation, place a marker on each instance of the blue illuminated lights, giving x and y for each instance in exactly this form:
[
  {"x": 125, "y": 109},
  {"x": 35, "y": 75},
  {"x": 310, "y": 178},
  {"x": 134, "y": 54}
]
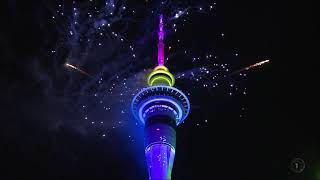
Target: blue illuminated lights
[
  {"x": 160, "y": 100},
  {"x": 160, "y": 158},
  {"x": 159, "y": 108},
  {"x": 169, "y": 97}
]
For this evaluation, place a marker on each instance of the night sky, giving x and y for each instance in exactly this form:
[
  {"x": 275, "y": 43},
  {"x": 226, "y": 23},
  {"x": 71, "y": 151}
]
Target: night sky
[{"x": 61, "y": 123}]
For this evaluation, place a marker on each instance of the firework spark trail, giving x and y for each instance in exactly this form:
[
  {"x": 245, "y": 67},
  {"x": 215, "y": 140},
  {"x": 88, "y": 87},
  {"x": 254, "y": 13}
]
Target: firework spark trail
[
  {"x": 250, "y": 67},
  {"x": 76, "y": 68},
  {"x": 257, "y": 64}
]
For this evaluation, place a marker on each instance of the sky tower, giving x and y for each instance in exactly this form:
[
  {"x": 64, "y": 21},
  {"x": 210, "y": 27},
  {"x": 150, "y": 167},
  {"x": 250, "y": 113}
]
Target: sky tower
[{"x": 160, "y": 108}]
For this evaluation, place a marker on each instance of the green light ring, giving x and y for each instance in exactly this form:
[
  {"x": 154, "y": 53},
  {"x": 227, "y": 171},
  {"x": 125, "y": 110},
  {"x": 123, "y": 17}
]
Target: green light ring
[
  {"x": 161, "y": 72},
  {"x": 165, "y": 78},
  {"x": 161, "y": 68}
]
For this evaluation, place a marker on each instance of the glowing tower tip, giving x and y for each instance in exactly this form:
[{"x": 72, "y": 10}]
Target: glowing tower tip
[
  {"x": 161, "y": 74},
  {"x": 160, "y": 43}
]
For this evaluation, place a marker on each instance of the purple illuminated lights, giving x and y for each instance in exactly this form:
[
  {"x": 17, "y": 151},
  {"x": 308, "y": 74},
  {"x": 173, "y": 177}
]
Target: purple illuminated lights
[{"x": 160, "y": 43}]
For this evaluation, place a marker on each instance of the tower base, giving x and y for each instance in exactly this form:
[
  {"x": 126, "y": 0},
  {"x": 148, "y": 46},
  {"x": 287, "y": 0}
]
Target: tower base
[{"x": 160, "y": 141}]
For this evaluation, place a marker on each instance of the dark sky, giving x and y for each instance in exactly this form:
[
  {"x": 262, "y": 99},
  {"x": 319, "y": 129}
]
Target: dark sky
[{"x": 277, "y": 126}]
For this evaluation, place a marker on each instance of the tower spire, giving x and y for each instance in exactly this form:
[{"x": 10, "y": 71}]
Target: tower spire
[
  {"x": 160, "y": 74},
  {"x": 160, "y": 43}
]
